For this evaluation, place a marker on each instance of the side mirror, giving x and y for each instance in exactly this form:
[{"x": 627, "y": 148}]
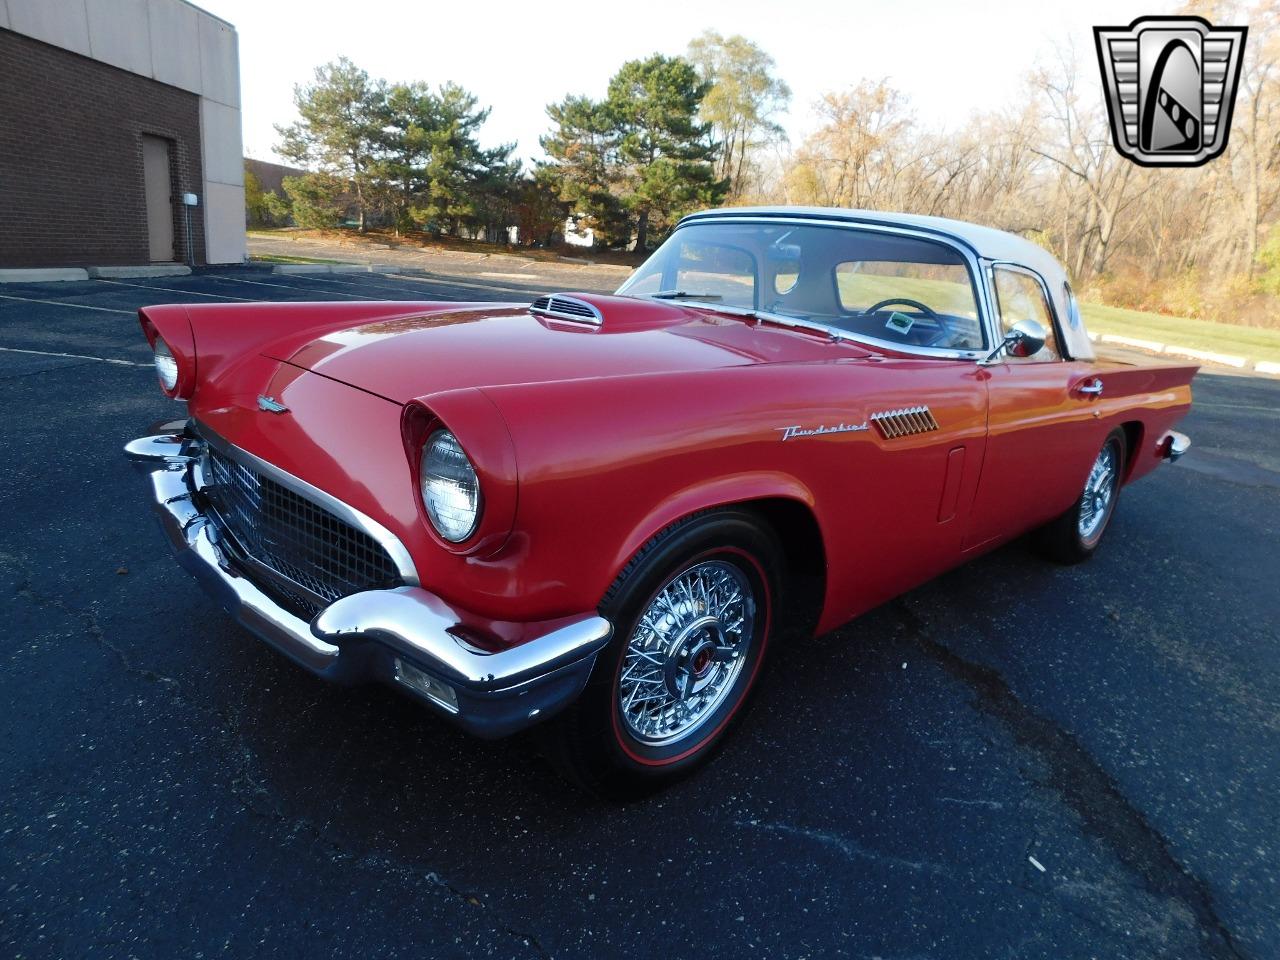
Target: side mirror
[{"x": 1024, "y": 339}]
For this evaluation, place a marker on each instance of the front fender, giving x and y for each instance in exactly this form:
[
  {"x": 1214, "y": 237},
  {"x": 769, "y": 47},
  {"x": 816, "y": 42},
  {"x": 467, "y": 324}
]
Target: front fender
[{"x": 715, "y": 492}]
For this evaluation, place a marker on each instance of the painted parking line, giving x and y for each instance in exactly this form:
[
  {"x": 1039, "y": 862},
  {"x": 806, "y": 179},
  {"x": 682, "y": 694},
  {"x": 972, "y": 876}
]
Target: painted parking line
[
  {"x": 361, "y": 284},
  {"x": 193, "y": 293},
  {"x": 290, "y": 286},
  {"x": 450, "y": 282},
  {"x": 63, "y": 303},
  {"x": 76, "y": 356}
]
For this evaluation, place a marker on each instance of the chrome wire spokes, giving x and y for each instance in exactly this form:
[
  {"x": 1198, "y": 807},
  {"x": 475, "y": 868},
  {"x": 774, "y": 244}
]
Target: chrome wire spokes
[
  {"x": 686, "y": 651},
  {"x": 1099, "y": 490}
]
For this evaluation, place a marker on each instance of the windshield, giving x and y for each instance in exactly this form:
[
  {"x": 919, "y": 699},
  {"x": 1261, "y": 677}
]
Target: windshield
[{"x": 875, "y": 286}]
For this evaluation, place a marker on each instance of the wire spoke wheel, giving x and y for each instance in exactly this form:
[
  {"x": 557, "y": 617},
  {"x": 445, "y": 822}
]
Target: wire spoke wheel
[
  {"x": 686, "y": 652},
  {"x": 1099, "y": 492}
]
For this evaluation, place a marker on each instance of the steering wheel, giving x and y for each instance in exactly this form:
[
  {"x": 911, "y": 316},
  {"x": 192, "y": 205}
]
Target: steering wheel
[{"x": 944, "y": 328}]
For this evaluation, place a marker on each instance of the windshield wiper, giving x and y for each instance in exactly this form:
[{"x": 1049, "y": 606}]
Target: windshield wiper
[
  {"x": 683, "y": 295},
  {"x": 760, "y": 316}
]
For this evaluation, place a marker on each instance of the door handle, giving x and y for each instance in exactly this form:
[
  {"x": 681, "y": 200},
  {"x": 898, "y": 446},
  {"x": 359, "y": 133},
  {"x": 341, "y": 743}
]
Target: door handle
[{"x": 1091, "y": 387}]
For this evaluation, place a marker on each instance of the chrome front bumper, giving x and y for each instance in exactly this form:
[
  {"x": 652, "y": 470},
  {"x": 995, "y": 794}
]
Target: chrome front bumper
[{"x": 406, "y": 637}]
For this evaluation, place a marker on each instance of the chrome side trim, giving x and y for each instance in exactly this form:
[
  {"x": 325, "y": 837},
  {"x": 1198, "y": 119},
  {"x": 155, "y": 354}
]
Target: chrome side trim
[
  {"x": 421, "y": 626},
  {"x": 904, "y": 422},
  {"x": 564, "y": 307},
  {"x": 385, "y": 538}
]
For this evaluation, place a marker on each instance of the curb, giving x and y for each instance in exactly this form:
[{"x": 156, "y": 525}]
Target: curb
[
  {"x": 43, "y": 274},
  {"x": 1172, "y": 349},
  {"x": 127, "y": 273},
  {"x": 319, "y": 268},
  {"x": 313, "y": 268}
]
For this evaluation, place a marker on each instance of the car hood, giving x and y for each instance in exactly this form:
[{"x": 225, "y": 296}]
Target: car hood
[{"x": 493, "y": 345}]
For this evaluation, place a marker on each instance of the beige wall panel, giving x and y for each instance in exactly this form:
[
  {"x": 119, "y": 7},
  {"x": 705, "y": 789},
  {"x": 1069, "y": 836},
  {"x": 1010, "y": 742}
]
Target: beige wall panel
[
  {"x": 220, "y": 134},
  {"x": 119, "y": 34},
  {"x": 223, "y": 223},
  {"x": 175, "y": 44},
  {"x": 62, "y": 23},
  {"x": 219, "y": 62}
]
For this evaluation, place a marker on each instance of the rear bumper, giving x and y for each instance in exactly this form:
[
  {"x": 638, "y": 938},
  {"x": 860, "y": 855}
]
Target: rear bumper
[{"x": 406, "y": 637}]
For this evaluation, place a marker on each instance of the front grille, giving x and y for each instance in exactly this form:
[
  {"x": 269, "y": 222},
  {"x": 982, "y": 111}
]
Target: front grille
[{"x": 292, "y": 536}]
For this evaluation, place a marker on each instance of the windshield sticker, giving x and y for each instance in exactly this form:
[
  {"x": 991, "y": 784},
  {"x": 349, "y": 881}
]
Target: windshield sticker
[{"x": 899, "y": 322}]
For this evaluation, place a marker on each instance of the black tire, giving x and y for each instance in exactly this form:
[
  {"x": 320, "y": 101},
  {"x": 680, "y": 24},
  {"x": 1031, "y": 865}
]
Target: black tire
[
  {"x": 1069, "y": 538},
  {"x": 593, "y": 742}
]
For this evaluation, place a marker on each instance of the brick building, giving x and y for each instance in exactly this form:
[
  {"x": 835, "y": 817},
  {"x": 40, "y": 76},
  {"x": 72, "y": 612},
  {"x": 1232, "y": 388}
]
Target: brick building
[{"x": 110, "y": 112}]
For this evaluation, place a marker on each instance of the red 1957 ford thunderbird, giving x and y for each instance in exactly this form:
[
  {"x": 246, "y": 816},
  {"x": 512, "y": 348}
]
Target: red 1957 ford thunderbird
[{"x": 584, "y": 510}]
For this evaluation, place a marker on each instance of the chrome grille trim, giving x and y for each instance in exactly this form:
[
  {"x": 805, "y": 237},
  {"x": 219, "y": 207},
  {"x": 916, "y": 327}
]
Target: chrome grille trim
[
  {"x": 564, "y": 307},
  {"x": 904, "y": 422},
  {"x": 287, "y": 527}
]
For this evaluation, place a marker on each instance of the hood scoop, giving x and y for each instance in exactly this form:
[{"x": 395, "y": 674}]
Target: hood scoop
[{"x": 562, "y": 306}]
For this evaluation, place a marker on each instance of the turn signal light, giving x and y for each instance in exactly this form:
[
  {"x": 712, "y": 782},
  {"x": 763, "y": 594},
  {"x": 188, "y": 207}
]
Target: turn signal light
[{"x": 427, "y": 685}]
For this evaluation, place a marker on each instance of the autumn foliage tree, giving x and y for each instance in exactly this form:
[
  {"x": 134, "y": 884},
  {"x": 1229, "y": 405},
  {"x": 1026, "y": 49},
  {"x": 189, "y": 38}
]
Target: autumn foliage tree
[{"x": 743, "y": 101}]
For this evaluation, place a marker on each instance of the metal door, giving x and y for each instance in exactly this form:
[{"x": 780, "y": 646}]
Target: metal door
[{"x": 159, "y": 190}]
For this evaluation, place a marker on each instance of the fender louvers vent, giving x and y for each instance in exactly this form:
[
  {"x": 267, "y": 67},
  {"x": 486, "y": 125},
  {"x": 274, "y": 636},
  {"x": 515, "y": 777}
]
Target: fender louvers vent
[
  {"x": 904, "y": 422},
  {"x": 567, "y": 308}
]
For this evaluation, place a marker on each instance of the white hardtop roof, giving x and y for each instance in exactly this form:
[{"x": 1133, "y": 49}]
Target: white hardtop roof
[{"x": 984, "y": 241}]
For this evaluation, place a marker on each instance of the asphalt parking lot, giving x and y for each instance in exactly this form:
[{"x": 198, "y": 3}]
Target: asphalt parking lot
[{"x": 1017, "y": 760}]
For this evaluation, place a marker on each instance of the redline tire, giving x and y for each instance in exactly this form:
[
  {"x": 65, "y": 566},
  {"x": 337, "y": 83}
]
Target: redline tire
[{"x": 599, "y": 742}]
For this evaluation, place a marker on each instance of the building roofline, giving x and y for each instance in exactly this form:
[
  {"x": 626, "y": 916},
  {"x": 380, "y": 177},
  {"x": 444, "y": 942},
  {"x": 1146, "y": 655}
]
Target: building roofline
[{"x": 212, "y": 16}]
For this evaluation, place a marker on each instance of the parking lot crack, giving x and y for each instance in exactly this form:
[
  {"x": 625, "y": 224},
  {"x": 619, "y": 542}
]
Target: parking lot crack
[
  {"x": 843, "y": 845},
  {"x": 88, "y": 619},
  {"x": 1093, "y": 794}
]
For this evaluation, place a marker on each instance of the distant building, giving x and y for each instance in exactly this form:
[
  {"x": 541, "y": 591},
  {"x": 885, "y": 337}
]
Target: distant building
[
  {"x": 111, "y": 112},
  {"x": 267, "y": 178},
  {"x": 271, "y": 175}
]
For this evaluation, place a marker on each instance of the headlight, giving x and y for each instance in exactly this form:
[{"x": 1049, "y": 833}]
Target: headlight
[
  {"x": 166, "y": 366},
  {"x": 450, "y": 487}
]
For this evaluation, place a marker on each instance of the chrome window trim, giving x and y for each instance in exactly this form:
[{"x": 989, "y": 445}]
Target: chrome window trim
[
  {"x": 385, "y": 538},
  {"x": 983, "y": 297},
  {"x": 1064, "y": 351}
]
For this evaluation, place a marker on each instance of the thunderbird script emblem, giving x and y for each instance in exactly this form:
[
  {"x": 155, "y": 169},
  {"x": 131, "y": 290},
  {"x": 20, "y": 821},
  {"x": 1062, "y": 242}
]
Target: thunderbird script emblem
[
  {"x": 1170, "y": 86},
  {"x": 792, "y": 432}
]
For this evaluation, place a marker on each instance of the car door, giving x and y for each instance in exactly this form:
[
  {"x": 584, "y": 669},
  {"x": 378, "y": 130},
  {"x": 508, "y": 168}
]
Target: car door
[{"x": 1042, "y": 432}]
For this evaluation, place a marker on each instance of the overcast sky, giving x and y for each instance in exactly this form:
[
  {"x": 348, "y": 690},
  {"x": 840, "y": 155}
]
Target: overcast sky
[{"x": 949, "y": 57}]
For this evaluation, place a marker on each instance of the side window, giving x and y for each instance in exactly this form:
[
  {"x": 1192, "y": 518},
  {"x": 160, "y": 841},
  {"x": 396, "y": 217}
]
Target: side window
[
  {"x": 1073, "y": 308},
  {"x": 1021, "y": 297}
]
